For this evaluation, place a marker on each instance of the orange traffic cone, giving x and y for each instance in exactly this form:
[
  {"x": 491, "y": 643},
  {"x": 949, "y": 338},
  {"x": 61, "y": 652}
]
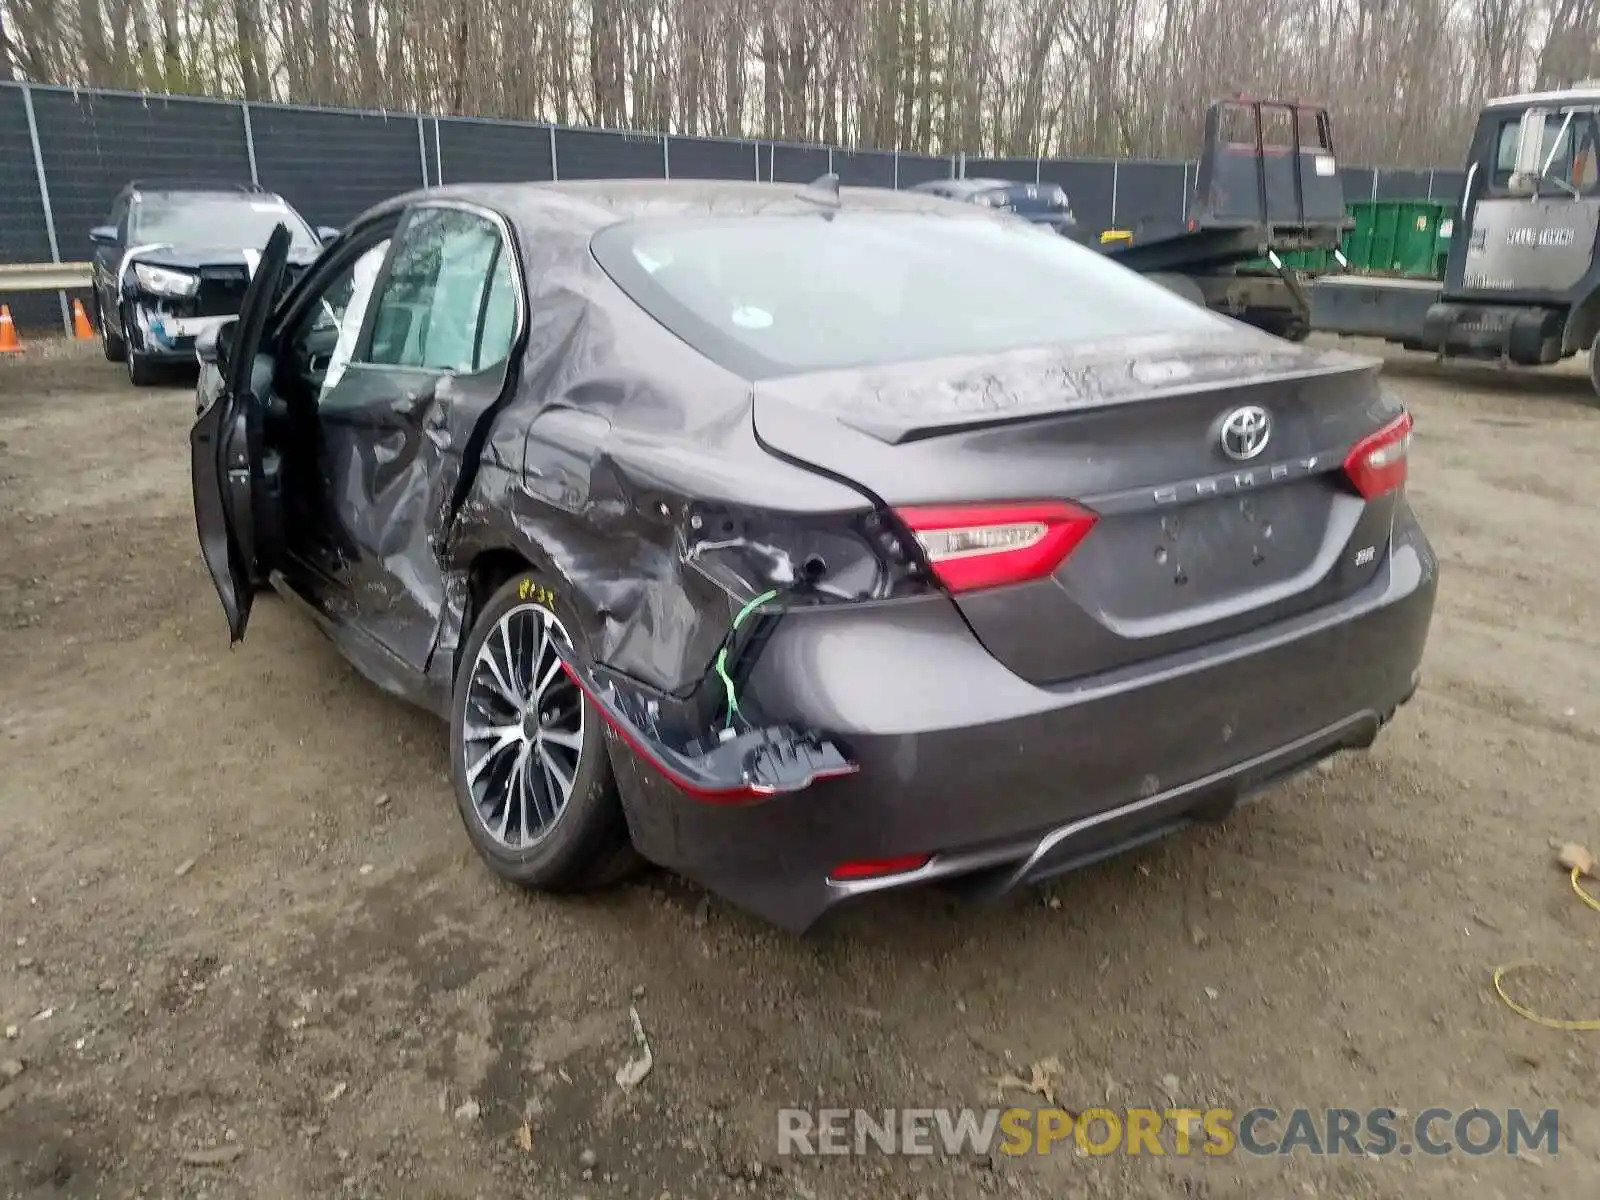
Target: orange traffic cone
[
  {"x": 9, "y": 342},
  {"x": 81, "y": 329}
]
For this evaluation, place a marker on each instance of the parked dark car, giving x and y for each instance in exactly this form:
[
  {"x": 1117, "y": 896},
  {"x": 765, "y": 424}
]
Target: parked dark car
[
  {"x": 173, "y": 260},
  {"x": 1041, "y": 203},
  {"x": 809, "y": 542}
]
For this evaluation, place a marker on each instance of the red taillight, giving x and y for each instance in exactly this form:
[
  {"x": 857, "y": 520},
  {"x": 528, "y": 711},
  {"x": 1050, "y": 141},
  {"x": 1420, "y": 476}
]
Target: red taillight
[
  {"x": 877, "y": 868},
  {"x": 1377, "y": 465},
  {"x": 973, "y": 546}
]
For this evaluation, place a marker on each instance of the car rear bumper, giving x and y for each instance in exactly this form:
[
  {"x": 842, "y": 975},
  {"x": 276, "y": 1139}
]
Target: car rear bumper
[{"x": 1005, "y": 783}]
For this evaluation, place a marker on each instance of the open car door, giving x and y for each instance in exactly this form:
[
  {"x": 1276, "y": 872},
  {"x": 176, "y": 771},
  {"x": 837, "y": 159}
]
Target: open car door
[{"x": 235, "y": 486}]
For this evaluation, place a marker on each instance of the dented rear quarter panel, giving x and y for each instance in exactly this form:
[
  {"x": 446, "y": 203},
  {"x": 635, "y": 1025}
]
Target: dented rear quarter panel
[{"x": 615, "y": 427}]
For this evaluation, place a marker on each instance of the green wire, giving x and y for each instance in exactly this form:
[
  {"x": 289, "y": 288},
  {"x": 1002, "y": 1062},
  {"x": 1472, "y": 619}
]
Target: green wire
[{"x": 722, "y": 656}]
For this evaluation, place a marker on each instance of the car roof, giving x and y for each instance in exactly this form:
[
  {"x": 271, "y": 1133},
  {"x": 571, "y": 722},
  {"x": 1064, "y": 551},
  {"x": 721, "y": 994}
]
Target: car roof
[
  {"x": 592, "y": 204},
  {"x": 969, "y": 186},
  {"x": 189, "y": 183},
  {"x": 1587, "y": 92}
]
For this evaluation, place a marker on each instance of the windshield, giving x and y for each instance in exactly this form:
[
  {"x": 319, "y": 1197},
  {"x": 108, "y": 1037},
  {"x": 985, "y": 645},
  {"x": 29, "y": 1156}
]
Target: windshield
[
  {"x": 1571, "y": 147},
  {"x": 245, "y": 221},
  {"x": 778, "y": 295}
]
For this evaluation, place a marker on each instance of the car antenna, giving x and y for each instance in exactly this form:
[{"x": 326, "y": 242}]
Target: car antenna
[{"x": 824, "y": 189}]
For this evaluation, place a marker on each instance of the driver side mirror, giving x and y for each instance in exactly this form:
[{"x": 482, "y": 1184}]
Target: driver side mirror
[
  {"x": 103, "y": 235},
  {"x": 216, "y": 345},
  {"x": 327, "y": 234}
]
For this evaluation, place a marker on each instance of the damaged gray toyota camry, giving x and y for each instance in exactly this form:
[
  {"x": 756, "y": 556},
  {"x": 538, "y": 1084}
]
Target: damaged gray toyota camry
[{"x": 809, "y": 542}]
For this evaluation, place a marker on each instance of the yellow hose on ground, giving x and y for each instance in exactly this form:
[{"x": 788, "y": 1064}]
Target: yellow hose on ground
[{"x": 1500, "y": 973}]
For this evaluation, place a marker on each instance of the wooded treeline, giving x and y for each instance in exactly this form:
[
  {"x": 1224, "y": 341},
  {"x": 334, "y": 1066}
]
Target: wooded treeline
[{"x": 1128, "y": 78}]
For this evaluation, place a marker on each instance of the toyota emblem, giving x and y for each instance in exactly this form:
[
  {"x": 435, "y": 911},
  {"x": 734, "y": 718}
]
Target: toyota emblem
[{"x": 1245, "y": 432}]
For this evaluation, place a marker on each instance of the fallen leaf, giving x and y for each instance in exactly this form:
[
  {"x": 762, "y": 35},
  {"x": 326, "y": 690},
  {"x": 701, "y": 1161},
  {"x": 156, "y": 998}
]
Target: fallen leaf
[
  {"x": 1042, "y": 1080},
  {"x": 1574, "y": 857},
  {"x": 339, "y": 1089},
  {"x": 524, "y": 1138},
  {"x": 632, "y": 1073}
]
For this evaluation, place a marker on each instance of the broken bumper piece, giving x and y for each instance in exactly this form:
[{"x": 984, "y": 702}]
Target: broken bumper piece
[
  {"x": 723, "y": 767},
  {"x": 166, "y": 336}
]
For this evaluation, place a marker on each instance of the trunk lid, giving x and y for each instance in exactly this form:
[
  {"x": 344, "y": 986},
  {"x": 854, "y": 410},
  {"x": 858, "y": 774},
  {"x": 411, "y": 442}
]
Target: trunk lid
[{"x": 1190, "y": 544}]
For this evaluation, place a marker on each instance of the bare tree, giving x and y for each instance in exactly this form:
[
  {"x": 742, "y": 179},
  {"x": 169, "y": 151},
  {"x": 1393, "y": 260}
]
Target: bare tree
[
  {"x": 1403, "y": 78},
  {"x": 7, "y": 71}
]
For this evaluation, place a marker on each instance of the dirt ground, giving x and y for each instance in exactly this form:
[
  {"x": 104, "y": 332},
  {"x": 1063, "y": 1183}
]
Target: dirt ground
[{"x": 239, "y": 921}]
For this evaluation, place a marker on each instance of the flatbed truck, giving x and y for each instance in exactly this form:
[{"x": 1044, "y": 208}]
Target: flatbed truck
[{"x": 1522, "y": 281}]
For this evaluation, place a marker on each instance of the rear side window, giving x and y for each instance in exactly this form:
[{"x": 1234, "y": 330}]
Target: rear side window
[
  {"x": 778, "y": 295},
  {"x": 447, "y": 303}
]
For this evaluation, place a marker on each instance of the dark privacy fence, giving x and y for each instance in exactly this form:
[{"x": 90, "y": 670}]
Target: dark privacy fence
[{"x": 64, "y": 153}]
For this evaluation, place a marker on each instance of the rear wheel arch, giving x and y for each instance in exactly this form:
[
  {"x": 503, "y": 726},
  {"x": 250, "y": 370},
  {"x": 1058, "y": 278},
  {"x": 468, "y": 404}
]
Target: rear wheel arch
[
  {"x": 587, "y": 846},
  {"x": 487, "y": 573},
  {"x": 490, "y": 566}
]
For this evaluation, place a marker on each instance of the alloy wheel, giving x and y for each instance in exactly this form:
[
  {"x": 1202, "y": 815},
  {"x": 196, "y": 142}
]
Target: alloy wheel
[{"x": 522, "y": 733}]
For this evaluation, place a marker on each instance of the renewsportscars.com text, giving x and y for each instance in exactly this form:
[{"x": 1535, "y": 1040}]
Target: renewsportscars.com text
[{"x": 1210, "y": 1132}]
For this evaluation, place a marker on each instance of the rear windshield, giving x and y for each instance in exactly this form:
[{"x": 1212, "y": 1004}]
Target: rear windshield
[{"x": 781, "y": 295}]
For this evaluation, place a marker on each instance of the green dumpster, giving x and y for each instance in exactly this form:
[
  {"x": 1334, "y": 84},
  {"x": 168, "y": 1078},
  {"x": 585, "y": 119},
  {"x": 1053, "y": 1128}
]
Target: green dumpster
[
  {"x": 1307, "y": 262},
  {"x": 1312, "y": 262},
  {"x": 1399, "y": 237}
]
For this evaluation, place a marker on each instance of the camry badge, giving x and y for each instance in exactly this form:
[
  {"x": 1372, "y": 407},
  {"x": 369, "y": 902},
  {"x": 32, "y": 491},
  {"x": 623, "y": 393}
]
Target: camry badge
[{"x": 1245, "y": 432}]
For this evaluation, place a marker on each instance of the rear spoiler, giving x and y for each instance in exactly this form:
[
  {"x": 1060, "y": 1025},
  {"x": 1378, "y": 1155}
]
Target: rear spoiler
[{"x": 910, "y": 401}]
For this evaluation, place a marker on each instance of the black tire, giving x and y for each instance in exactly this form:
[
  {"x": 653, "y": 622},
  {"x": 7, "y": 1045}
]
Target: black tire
[
  {"x": 141, "y": 371},
  {"x": 111, "y": 344},
  {"x": 586, "y": 845}
]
